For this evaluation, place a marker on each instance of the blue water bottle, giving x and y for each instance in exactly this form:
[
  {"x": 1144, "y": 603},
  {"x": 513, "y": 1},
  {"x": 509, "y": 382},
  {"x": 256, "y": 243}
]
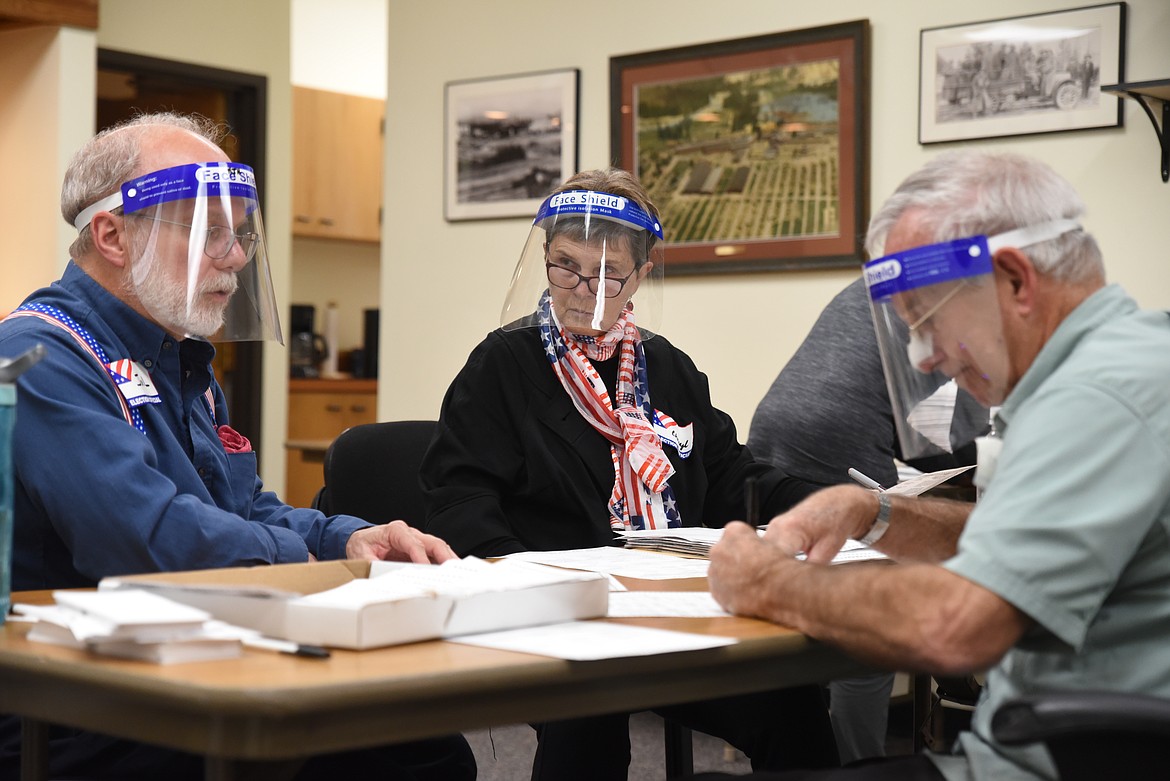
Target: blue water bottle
[{"x": 9, "y": 371}]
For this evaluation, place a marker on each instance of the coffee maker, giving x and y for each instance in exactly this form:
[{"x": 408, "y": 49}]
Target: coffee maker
[{"x": 307, "y": 349}]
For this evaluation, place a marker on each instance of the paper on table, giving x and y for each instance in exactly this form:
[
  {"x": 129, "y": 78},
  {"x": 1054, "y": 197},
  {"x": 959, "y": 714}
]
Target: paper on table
[
  {"x": 590, "y": 640},
  {"x": 853, "y": 550},
  {"x": 689, "y": 540},
  {"x": 700, "y": 541},
  {"x": 106, "y": 631},
  {"x": 454, "y": 578},
  {"x": 673, "y": 604},
  {"x": 618, "y": 561},
  {"x": 130, "y": 608}
]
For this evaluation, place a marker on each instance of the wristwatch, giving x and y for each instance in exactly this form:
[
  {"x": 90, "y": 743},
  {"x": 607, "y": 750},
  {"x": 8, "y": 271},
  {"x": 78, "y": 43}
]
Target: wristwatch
[{"x": 880, "y": 523}]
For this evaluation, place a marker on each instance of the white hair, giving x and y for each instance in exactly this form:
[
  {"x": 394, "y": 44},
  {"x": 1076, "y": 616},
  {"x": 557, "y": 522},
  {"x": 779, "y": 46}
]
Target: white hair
[
  {"x": 968, "y": 192},
  {"x": 112, "y": 157}
]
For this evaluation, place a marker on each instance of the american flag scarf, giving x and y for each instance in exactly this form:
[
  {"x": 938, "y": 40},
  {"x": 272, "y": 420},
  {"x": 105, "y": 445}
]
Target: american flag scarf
[{"x": 641, "y": 497}]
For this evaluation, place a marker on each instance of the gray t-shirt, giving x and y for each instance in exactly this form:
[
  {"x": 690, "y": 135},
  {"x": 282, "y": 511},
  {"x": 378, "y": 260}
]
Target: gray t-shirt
[{"x": 829, "y": 409}]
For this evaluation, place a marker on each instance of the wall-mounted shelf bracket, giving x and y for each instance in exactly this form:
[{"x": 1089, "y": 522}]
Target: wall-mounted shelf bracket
[{"x": 1154, "y": 98}]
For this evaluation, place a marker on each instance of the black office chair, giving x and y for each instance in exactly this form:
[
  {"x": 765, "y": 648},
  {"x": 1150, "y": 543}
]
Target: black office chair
[
  {"x": 1091, "y": 734},
  {"x": 371, "y": 471}
]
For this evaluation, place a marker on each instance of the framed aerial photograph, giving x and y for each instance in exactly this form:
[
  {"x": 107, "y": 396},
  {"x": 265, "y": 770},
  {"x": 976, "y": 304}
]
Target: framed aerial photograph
[
  {"x": 755, "y": 150},
  {"x": 1028, "y": 74},
  {"x": 509, "y": 141}
]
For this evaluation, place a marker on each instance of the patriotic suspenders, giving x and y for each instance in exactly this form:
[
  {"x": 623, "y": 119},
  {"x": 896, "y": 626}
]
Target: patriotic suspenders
[{"x": 56, "y": 317}]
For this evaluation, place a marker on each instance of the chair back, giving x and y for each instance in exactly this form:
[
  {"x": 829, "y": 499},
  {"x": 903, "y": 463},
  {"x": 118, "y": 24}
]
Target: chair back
[{"x": 371, "y": 471}]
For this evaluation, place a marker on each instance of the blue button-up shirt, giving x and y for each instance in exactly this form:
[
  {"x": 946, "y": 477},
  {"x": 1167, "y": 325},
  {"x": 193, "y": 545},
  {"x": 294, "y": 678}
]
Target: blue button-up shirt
[{"x": 94, "y": 497}]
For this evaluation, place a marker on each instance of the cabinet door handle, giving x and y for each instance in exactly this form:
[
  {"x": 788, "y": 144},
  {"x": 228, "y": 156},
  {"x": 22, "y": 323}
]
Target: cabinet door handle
[
  {"x": 325, "y": 220},
  {"x": 358, "y": 408},
  {"x": 302, "y": 218},
  {"x": 333, "y": 408}
]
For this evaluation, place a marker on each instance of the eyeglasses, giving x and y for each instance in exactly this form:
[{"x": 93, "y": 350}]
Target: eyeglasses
[
  {"x": 934, "y": 309},
  {"x": 220, "y": 240},
  {"x": 567, "y": 279}
]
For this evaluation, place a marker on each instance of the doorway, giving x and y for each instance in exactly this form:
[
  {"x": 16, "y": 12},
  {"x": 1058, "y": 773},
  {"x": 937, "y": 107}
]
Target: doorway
[{"x": 128, "y": 84}]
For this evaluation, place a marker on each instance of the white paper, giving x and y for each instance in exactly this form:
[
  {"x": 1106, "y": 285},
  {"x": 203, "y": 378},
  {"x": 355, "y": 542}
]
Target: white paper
[
  {"x": 853, "y": 550},
  {"x": 619, "y": 561},
  {"x": 693, "y": 533},
  {"x": 923, "y": 483},
  {"x": 932, "y": 416},
  {"x": 362, "y": 592},
  {"x": 589, "y": 640},
  {"x": 130, "y": 607},
  {"x": 670, "y": 604},
  {"x": 391, "y": 581}
]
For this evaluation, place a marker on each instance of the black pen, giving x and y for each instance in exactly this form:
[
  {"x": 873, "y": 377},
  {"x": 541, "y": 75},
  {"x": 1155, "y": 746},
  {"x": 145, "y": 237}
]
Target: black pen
[
  {"x": 751, "y": 502},
  {"x": 287, "y": 647}
]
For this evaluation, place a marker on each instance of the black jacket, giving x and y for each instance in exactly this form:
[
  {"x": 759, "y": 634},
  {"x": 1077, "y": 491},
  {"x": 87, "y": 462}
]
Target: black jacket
[{"x": 513, "y": 465}]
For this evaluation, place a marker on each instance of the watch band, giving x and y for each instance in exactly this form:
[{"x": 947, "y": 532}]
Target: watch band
[{"x": 880, "y": 523}]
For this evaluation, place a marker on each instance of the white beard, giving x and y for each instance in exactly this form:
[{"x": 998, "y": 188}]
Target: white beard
[{"x": 167, "y": 302}]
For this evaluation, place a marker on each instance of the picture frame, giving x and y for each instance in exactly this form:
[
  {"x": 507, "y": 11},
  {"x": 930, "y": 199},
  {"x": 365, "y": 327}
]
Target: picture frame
[
  {"x": 754, "y": 150},
  {"x": 1039, "y": 73},
  {"x": 508, "y": 141}
]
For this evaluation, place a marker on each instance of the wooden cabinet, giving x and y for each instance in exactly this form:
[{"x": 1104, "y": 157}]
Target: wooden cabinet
[
  {"x": 319, "y": 410},
  {"x": 337, "y": 165}
]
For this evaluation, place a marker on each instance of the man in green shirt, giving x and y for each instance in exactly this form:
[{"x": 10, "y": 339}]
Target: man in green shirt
[{"x": 1059, "y": 578}]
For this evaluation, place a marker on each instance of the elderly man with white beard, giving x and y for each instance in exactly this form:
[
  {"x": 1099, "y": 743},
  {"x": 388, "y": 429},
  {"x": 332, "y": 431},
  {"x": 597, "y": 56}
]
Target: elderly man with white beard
[{"x": 124, "y": 460}]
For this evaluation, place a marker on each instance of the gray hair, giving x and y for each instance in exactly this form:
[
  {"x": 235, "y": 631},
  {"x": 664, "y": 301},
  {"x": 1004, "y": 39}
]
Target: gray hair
[
  {"x": 111, "y": 158},
  {"x": 615, "y": 181},
  {"x": 967, "y": 192}
]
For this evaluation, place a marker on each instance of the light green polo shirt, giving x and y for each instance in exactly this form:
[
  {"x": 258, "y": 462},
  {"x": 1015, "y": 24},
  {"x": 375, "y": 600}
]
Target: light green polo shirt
[{"x": 1074, "y": 529}]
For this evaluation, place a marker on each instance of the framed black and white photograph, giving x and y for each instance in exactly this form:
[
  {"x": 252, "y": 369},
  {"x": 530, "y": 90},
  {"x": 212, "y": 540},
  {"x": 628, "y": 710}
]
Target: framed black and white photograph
[
  {"x": 755, "y": 150},
  {"x": 509, "y": 141},
  {"x": 1027, "y": 74}
]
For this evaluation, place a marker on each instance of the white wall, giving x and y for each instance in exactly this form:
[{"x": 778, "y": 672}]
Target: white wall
[
  {"x": 340, "y": 45},
  {"x": 740, "y": 329}
]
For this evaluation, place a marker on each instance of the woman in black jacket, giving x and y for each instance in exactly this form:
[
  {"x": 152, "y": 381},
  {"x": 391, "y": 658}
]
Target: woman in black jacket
[{"x": 572, "y": 422}]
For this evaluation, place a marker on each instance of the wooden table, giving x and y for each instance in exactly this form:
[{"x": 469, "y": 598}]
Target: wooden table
[{"x": 267, "y": 706}]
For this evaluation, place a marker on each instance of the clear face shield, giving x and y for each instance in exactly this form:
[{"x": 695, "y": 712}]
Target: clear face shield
[
  {"x": 589, "y": 256},
  {"x": 940, "y": 332},
  {"x": 199, "y": 260}
]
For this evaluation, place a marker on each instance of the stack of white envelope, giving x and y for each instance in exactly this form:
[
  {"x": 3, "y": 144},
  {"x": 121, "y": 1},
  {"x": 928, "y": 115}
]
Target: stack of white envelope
[{"x": 132, "y": 624}]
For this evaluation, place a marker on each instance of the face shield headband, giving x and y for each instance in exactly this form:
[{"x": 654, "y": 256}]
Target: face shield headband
[
  {"x": 200, "y": 260},
  {"x": 593, "y": 253},
  {"x": 925, "y": 282}
]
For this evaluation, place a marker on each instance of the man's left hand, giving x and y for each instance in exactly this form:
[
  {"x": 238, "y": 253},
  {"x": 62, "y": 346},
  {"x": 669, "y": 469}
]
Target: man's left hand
[{"x": 397, "y": 541}]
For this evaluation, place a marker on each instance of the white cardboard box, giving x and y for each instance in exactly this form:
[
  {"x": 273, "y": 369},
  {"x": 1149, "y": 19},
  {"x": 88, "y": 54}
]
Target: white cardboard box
[{"x": 382, "y": 603}]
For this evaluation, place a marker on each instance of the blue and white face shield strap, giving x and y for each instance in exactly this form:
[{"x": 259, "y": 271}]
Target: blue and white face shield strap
[
  {"x": 200, "y": 260},
  {"x": 596, "y": 251},
  {"x": 926, "y": 283}
]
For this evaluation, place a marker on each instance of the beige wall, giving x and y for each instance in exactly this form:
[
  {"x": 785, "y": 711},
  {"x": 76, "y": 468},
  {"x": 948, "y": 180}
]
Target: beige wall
[
  {"x": 740, "y": 329},
  {"x": 46, "y": 112},
  {"x": 252, "y": 37},
  {"x": 453, "y": 275}
]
